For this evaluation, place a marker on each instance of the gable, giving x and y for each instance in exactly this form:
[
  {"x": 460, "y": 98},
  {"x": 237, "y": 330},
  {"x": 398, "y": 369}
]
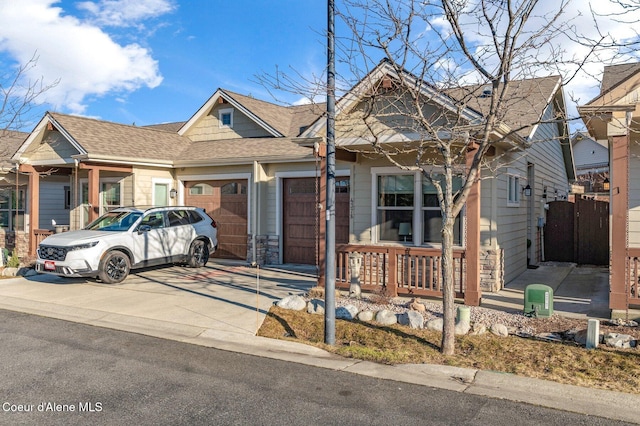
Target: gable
[
  {"x": 588, "y": 153},
  {"x": 209, "y": 126},
  {"x": 52, "y": 148},
  {"x": 388, "y": 117}
]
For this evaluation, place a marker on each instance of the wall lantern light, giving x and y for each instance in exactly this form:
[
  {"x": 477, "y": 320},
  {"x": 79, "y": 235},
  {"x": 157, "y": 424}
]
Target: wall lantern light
[
  {"x": 527, "y": 190},
  {"x": 173, "y": 193},
  {"x": 605, "y": 184}
]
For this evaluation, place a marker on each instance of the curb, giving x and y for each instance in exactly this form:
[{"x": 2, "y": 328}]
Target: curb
[{"x": 595, "y": 402}]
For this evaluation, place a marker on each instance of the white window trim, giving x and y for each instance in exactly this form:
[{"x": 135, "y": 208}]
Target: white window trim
[
  {"x": 514, "y": 178},
  {"x": 221, "y": 112},
  {"x": 417, "y": 207}
]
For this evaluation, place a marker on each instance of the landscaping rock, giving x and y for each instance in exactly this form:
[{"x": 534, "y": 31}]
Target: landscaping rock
[
  {"x": 386, "y": 317},
  {"x": 499, "y": 330},
  {"x": 436, "y": 324},
  {"x": 414, "y": 305},
  {"x": 617, "y": 340},
  {"x": 580, "y": 337},
  {"x": 462, "y": 328},
  {"x": 413, "y": 319},
  {"x": 348, "y": 312},
  {"x": 478, "y": 329},
  {"x": 366, "y": 316},
  {"x": 9, "y": 272},
  {"x": 292, "y": 302},
  {"x": 315, "y": 306}
]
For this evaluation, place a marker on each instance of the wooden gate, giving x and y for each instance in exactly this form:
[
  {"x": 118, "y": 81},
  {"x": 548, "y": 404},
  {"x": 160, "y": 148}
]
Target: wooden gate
[{"x": 577, "y": 232}]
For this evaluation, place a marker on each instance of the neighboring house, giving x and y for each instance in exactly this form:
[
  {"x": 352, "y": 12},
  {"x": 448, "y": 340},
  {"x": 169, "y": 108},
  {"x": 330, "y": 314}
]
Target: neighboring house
[
  {"x": 613, "y": 118},
  {"x": 238, "y": 157},
  {"x": 255, "y": 167},
  {"x": 13, "y": 188},
  {"x": 592, "y": 163},
  {"x": 394, "y": 210}
]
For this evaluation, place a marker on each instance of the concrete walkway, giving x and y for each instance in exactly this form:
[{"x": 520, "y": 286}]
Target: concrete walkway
[{"x": 222, "y": 305}]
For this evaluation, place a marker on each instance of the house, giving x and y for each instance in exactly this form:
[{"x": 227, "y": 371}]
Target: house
[
  {"x": 235, "y": 157},
  {"x": 13, "y": 188},
  {"x": 591, "y": 158},
  {"x": 395, "y": 211},
  {"x": 256, "y": 166},
  {"x": 612, "y": 118}
]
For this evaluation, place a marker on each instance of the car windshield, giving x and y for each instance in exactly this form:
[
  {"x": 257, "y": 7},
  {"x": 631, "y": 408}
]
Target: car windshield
[{"x": 114, "y": 221}]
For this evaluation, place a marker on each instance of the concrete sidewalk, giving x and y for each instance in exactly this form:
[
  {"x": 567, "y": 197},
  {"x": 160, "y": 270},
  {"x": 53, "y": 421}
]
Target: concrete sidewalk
[
  {"x": 578, "y": 291},
  {"x": 220, "y": 307}
]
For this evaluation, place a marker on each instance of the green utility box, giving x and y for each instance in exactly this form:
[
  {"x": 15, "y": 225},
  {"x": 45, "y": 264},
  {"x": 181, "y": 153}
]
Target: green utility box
[{"x": 538, "y": 300}]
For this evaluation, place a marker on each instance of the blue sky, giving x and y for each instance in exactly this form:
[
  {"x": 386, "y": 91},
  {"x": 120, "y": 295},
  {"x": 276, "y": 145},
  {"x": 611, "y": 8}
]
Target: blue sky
[{"x": 154, "y": 61}]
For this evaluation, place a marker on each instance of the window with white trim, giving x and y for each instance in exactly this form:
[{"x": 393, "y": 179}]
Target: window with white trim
[
  {"x": 432, "y": 214},
  {"x": 225, "y": 117},
  {"x": 12, "y": 208},
  {"x": 398, "y": 214},
  {"x": 395, "y": 207},
  {"x": 513, "y": 188}
]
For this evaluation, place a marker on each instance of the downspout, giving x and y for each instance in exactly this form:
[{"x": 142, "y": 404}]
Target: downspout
[{"x": 254, "y": 214}]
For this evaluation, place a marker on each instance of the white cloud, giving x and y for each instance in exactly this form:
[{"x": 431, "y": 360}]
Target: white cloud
[
  {"x": 85, "y": 59},
  {"x": 122, "y": 13}
]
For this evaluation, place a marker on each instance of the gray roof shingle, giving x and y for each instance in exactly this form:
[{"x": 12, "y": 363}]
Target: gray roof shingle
[{"x": 118, "y": 140}]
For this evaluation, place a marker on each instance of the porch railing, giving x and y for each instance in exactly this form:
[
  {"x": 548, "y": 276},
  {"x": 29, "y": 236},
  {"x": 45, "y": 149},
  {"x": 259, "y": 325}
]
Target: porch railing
[
  {"x": 633, "y": 275},
  {"x": 400, "y": 271},
  {"x": 41, "y": 234}
]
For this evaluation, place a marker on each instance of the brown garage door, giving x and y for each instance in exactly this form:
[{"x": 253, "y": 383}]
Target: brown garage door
[
  {"x": 226, "y": 202},
  {"x": 300, "y": 225}
]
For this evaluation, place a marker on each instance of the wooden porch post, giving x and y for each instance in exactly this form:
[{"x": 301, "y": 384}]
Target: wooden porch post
[
  {"x": 619, "y": 177},
  {"x": 472, "y": 293},
  {"x": 94, "y": 193},
  {"x": 34, "y": 205}
]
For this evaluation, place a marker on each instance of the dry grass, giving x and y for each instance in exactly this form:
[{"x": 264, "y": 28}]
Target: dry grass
[{"x": 601, "y": 368}]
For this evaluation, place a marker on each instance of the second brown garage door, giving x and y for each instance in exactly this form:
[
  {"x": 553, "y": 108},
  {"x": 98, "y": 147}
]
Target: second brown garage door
[
  {"x": 226, "y": 202},
  {"x": 300, "y": 224}
]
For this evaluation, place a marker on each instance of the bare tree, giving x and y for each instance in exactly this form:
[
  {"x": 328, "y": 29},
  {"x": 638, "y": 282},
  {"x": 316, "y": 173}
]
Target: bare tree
[
  {"x": 469, "y": 57},
  {"x": 18, "y": 102}
]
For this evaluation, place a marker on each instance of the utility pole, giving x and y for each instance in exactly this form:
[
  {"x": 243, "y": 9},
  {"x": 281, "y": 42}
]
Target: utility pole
[{"x": 330, "y": 236}]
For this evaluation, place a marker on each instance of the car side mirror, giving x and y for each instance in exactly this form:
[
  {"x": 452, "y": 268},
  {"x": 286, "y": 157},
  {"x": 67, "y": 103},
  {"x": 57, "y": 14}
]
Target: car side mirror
[{"x": 144, "y": 228}]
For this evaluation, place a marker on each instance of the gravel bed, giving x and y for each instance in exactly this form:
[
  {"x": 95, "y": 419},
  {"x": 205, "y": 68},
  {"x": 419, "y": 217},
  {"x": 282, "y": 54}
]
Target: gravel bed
[{"x": 514, "y": 321}]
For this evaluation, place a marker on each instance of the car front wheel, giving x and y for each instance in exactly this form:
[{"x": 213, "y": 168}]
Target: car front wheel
[
  {"x": 198, "y": 254},
  {"x": 114, "y": 267}
]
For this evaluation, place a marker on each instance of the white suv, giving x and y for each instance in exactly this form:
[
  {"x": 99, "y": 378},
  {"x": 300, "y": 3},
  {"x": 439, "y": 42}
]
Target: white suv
[{"x": 127, "y": 238}]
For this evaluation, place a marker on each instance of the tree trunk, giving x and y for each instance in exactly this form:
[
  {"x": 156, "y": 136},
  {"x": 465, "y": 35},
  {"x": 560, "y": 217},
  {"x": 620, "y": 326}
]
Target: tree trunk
[{"x": 448, "y": 288}]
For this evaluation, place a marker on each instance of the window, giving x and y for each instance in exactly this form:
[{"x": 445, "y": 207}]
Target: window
[
  {"x": 201, "y": 189},
  {"x": 513, "y": 188},
  {"x": 12, "y": 208},
  {"x": 111, "y": 197},
  {"x": 408, "y": 210},
  {"x": 432, "y": 215},
  {"x": 395, "y": 207},
  {"x": 178, "y": 217},
  {"x": 225, "y": 117},
  {"x": 67, "y": 197}
]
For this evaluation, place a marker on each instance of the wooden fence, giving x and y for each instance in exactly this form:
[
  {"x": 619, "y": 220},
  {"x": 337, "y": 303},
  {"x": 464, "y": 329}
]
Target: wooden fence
[{"x": 400, "y": 271}]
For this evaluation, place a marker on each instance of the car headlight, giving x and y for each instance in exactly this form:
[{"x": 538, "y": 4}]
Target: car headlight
[{"x": 83, "y": 246}]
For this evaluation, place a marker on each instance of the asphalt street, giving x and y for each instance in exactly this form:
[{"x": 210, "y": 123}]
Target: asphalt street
[{"x": 58, "y": 372}]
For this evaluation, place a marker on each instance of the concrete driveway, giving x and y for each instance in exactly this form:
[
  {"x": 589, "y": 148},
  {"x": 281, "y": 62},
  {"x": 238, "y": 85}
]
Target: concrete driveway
[{"x": 223, "y": 297}]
